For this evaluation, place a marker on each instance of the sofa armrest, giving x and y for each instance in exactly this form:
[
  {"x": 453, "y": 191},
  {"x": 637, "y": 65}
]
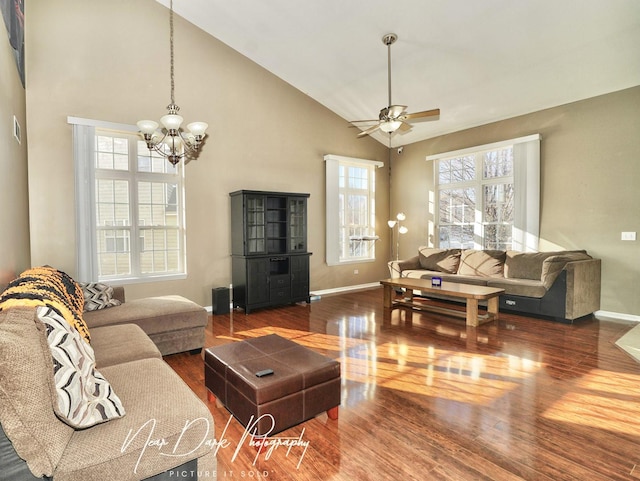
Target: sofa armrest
[
  {"x": 553, "y": 265},
  {"x": 583, "y": 287},
  {"x": 396, "y": 267}
]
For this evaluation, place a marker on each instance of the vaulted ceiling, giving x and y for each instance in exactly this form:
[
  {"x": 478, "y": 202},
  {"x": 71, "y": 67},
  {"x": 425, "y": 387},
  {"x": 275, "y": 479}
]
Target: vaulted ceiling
[{"x": 479, "y": 61}]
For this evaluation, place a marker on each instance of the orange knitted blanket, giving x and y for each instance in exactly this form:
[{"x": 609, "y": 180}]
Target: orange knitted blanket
[{"x": 46, "y": 286}]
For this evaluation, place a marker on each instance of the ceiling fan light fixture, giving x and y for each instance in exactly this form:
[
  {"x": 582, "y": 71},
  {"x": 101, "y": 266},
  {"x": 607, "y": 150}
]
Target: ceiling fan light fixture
[
  {"x": 393, "y": 117},
  {"x": 390, "y": 126}
]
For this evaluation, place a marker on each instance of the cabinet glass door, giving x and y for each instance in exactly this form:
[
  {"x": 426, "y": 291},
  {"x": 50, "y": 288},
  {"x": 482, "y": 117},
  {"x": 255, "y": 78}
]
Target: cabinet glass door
[
  {"x": 255, "y": 212},
  {"x": 297, "y": 224},
  {"x": 276, "y": 224}
]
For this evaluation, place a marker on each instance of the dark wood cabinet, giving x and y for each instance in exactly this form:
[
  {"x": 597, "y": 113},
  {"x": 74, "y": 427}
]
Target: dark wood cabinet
[{"x": 270, "y": 262}]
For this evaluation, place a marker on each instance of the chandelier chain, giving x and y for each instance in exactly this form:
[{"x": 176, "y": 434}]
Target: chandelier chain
[{"x": 171, "y": 49}]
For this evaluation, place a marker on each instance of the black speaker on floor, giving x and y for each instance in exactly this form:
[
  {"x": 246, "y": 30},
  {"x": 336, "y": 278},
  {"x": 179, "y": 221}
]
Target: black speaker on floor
[{"x": 220, "y": 300}]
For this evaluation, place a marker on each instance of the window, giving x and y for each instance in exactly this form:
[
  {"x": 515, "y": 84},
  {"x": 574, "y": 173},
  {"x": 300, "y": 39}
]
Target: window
[
  {"x": 351, "y": 209},
  {"x": 130, "y": 207},
  {"x": 488, "y": 196}
]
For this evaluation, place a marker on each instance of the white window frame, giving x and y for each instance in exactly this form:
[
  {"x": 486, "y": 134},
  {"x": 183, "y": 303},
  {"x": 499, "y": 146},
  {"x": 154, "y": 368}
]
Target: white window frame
[
  {"x": 526, "y": 181},
  {"x": 334, "y": 230},
  {"x": 84, "y": 135}
]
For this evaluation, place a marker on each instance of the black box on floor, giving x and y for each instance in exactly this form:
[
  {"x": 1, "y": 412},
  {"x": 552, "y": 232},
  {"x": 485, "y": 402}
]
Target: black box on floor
[{"x": 220, "y": 300}]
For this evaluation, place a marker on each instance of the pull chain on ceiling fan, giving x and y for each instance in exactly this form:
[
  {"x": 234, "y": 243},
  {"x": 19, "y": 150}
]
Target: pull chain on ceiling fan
[{"x": 393, "y": 117}]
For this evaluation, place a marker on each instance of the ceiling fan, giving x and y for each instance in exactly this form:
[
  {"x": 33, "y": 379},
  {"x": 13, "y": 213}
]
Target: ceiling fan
[{"x": 393, "y": 117}]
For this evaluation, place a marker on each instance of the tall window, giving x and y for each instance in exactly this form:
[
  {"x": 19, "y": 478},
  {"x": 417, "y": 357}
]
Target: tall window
[
  {"x": 351, "y": 208},
  {"x": 133, "y": 224},
  {"x": 488, "y": 196}
]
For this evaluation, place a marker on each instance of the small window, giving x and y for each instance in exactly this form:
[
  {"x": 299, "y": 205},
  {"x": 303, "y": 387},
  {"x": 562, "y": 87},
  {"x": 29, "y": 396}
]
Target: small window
[{"x": 351, "y": 209}]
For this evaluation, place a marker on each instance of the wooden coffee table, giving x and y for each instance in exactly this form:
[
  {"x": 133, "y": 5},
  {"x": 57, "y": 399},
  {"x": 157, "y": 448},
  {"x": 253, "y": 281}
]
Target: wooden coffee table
[{"x": 469, "y": 293}]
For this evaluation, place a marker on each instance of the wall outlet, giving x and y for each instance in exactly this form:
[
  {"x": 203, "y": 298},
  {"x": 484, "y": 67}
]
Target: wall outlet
[
  {"x": 355, "y": 271},
  {"x": 628, "y": 236}
]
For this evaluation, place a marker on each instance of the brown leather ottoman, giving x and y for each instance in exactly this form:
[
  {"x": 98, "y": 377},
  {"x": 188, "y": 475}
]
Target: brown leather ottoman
[{"x": 303, "y": 384}]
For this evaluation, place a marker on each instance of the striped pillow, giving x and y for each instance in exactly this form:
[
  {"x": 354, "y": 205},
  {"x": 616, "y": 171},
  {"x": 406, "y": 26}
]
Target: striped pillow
[
  {"x": 98, "y": 296},
  {"x": 84, "y": 396}
]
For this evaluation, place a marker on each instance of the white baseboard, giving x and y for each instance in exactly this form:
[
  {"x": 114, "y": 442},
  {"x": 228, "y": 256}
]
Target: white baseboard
[
  {"x": 617, "y": 315},
  {"x": 338, "y": 290}
]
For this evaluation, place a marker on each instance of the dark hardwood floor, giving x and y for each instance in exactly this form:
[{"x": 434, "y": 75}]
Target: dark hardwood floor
[{"x": 424, "y": 397}]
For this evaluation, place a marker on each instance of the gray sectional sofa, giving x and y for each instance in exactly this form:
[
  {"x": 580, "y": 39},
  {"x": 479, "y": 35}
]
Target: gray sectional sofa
[{"x": 563, "y": 285}]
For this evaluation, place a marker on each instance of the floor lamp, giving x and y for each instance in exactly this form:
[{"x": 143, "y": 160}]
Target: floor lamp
[{"x": 400, "y": 229}]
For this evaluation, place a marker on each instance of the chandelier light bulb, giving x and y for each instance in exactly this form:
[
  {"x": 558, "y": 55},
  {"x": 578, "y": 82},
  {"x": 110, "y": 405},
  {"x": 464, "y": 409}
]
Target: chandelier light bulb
[
  {"x": 147, "y": 126},
  {"x": 172, "y": 121},
  {"x": 174, "y": 142},
  {"x": 391, "y": 223},
  {"x": 198, "y": 128},
  {"x": 401, "y": 216},
  {"x": 403, "y": 230}
]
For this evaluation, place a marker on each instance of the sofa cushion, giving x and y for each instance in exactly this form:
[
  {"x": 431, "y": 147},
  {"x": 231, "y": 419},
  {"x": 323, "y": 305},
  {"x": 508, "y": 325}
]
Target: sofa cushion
[
  {"x": 422, "y": 274},
  {"x": 84, "y": 397},
  {"x": 26, "y": 401},
  {"x": 441, "y": 260},
  {"x": 519, "y": 287},
  {"x": 161, "y": 408},
  {"x": 98, "y": 296},
  {"x": 525, "y": 265},
  {"x": 121, "y": 343},
  {"x": 483, "y": 263}
]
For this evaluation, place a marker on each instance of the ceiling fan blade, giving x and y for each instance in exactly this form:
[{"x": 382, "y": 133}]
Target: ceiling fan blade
[
  {"x": 394, "y": 111},
  {"x": 404, "y": 127},
  {"x": 420, "y": 115},
  {"x": 370, "y": 130}
]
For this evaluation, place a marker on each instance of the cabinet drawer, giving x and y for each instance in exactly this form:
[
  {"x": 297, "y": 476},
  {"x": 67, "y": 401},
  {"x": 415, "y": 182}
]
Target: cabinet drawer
[
  {"x": 281, "y": 295},
  {"x": 279, "y": 281}
]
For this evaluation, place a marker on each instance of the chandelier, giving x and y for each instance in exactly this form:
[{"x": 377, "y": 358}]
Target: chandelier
[{"x": 171, "y": 141}]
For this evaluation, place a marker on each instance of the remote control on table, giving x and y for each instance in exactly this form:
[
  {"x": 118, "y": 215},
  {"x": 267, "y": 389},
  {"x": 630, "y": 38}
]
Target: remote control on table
[{"x": 264, "y": 372}]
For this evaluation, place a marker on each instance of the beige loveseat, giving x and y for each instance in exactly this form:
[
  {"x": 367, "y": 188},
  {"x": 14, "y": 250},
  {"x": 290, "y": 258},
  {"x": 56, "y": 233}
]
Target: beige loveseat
[
  {"x": 563, "y": 285},
  {"x": 157, "y": 429}
]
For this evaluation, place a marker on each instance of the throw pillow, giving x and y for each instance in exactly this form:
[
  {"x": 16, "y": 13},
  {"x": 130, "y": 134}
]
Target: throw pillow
[
  {"x": 85, "y": 398},
  {"x": 441, "y": 260},
  {"x": 525, "y": 265},
  {"x": 98, "y": 296},
  {"x": 482, "y": 263}
]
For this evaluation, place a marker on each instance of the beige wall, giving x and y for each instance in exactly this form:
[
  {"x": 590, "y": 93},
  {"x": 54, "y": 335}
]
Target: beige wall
[
  {"x": 110, "y": 61},
  {"x": 14, "y": 213},
  {"x": 590, "y": 169},
  {"x": 86, "y": 59}
]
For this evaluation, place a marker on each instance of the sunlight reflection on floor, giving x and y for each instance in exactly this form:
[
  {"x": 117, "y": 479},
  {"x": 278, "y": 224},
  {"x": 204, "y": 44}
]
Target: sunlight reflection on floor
[
  {"x": 459, "y": 376},
  {"x": 594, "y": 400}
]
